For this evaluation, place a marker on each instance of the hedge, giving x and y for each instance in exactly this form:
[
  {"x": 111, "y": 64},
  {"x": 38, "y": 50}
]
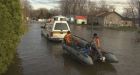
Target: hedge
[{"x": 10, "y": 31}]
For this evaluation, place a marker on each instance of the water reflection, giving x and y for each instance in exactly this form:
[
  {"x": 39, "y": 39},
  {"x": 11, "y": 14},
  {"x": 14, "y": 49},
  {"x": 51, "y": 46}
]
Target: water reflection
[
  {"x": 71, "y": 65},
  {"x": 15, "y": 68}
]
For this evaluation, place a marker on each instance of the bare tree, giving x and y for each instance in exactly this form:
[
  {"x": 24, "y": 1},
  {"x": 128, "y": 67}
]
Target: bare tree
[
  {"x": 27, "y": 8},
  {"x": 44, "y": 13},
  {"x": 54, "y": 12},
  {"x": 65, "y": 7},
  {"x": 111, "y": 8},
  {"x": 81, "y": 7},
  {"x": 73, "y": 7},
  {"x": 92, "y": 11},
  {"x": 128, "y": 12},
  {"x": 134, "y": 5},
  {"x": 103, "y": 6},
  {"x": 84, "y": 7}
]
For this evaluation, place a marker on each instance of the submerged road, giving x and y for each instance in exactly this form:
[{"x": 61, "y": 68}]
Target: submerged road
[{"x": 38, "y": 56}]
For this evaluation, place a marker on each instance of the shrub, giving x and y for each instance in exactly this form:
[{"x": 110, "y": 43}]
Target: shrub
[{"x": 10, "y": 31}]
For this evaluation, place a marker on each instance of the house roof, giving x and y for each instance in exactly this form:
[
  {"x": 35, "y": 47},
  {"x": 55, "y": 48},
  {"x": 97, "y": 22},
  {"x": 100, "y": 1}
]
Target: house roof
[
  {"x": 81, "y": 17},
  {"x": 104, "y": 14}
]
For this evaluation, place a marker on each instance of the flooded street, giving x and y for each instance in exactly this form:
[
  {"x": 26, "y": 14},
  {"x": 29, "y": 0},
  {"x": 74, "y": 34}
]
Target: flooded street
[{"x": 38, "y": 56}]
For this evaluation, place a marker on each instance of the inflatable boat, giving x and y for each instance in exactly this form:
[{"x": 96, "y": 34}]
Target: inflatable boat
[{"x": 85, "y": 53}]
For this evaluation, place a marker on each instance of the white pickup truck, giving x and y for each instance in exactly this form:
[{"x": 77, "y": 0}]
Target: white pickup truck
[{"x": 56, "y": 30}]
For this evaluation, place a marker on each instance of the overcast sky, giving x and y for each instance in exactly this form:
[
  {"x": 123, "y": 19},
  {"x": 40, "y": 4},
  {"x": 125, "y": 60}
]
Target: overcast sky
[
  {"x": 49, "y": 4},
  {"x": 44, "y": 3}
]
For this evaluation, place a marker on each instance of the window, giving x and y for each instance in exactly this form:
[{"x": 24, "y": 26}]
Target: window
[
  {"x": 62, "y": 19},
  {"x": 56, "y": 19},
  {"x": 61, "y": 26}
]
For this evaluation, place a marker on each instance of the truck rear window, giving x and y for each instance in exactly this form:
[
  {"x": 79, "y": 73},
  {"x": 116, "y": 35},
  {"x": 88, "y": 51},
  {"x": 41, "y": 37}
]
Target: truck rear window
[
  {"x": 63, "y": 19},
  {"x": 61, "y": 26}
]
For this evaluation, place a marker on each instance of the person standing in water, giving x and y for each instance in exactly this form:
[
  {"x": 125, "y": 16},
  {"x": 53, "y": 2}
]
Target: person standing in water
[{"x": 96, "y": 46}]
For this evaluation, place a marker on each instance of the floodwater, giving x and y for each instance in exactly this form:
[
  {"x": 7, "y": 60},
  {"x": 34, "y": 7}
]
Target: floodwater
[{"x": 38, "y": 56}]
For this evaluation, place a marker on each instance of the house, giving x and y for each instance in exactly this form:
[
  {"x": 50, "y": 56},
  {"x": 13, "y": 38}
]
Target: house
[
  {"x": 137, "y": 22},
  {"x": 81, "y": 19},
  {"x": 112, "y": 19},
  {"x": 126, "y": 21}
]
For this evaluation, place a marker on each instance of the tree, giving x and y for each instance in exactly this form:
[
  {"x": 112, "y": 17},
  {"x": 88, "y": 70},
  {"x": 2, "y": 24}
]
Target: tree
[
  {"x": 42, "y": 13},
  {"x": 26, "y": 8},
  {"x": 103, "y": 6},
  {"x": 92, "y": 11},
  {"x": 34, "y": 14},
  {"x": 54, "y": 12},
  {"x": 128, "y": 12},
  {"x": 73, "y": 7},
  {"x": 134, "y": 5},
  {"x": 84, "y": 7},
  {"x": 10, "y": 31}
]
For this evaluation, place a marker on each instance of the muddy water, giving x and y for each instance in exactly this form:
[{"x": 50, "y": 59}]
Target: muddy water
[{"x": 39, "y": 56}]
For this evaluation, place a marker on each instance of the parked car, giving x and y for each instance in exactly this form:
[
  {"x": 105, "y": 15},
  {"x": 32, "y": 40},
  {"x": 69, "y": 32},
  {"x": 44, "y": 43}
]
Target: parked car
[
  {"x": 59, "y": 18},
  {"x": 56, "y": 30}
]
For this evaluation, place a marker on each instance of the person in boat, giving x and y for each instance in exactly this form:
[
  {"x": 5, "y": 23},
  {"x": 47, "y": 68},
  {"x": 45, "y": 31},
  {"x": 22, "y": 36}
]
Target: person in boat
[
  {"x": 67, "y": 38},
  {"x": 95, "y": 40},
  {"x": 96, "y": 47},
  {"x": 86, "y": 49}
]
